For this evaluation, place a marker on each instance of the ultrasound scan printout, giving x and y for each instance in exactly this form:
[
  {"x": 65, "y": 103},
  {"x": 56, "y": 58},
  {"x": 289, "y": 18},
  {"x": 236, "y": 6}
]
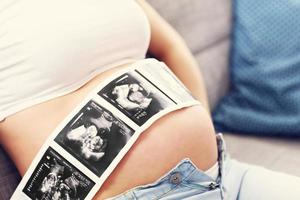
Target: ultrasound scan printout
[
  {"x": 56, "y": 178},
  {"x": 94, "y": 136},
  {"x": 136, "y": 97},
  {"x": 85, "y": 148}
]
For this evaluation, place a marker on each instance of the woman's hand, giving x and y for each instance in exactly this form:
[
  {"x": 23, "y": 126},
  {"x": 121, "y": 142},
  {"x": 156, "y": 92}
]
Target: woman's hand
[{"x": 168, "y": 46}]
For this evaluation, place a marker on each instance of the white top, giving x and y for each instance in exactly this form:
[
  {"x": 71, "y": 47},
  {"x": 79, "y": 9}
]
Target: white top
[{"x": 49, "y": 48}]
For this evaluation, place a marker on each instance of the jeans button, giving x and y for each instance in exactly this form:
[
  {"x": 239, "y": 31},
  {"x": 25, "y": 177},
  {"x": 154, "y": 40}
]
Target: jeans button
[{"x": 175, "y": 178}]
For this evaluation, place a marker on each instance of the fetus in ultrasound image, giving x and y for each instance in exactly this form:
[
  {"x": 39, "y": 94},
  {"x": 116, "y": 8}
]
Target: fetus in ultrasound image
[
  {"x": 94, "y": 136},
  {"x": 56, "y": 179},
  {"x": 135, "y": 96}
]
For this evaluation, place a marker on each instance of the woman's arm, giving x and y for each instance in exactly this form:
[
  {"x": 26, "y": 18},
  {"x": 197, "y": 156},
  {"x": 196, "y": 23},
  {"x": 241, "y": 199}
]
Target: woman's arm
[{"x": 168, "y": 46}]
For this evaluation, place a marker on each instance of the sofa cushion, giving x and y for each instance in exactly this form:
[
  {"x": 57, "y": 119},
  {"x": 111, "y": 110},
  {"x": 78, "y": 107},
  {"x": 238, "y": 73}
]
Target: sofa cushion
[
  {"x": 215, "y": 71},
  {"x": 265, "y": 68}
]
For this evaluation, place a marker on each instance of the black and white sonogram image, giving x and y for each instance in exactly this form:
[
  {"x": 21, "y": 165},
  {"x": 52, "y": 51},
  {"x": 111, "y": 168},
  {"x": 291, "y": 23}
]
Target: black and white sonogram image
[
  {"x": 54, "y": 178},
  {"x": 135, "y": 96},
  {"x": 94, "y": 136}
]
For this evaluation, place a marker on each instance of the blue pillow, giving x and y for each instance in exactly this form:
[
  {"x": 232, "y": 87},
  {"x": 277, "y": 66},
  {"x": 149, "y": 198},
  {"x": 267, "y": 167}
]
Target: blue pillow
[{"x": 264, "y": 97}]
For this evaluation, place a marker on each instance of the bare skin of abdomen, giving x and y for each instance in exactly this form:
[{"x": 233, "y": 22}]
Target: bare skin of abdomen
[{"x": 184, "y": 133}]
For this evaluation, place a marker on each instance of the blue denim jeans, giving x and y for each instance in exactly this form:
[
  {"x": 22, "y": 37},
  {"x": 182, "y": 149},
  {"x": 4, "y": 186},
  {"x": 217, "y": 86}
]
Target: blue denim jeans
[{"x": 236, "y": 181}]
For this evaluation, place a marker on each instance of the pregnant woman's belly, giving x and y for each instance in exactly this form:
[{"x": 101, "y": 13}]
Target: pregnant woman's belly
[{"x": 187, "y": 132}]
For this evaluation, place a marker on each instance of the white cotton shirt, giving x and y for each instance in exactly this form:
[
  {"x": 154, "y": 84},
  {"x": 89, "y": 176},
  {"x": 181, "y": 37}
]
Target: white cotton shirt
[{"x": 49, "y": 48}]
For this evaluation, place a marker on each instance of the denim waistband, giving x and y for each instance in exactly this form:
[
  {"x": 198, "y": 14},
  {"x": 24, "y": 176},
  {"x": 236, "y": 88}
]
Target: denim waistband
[{"x": 184, "y": 177}]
